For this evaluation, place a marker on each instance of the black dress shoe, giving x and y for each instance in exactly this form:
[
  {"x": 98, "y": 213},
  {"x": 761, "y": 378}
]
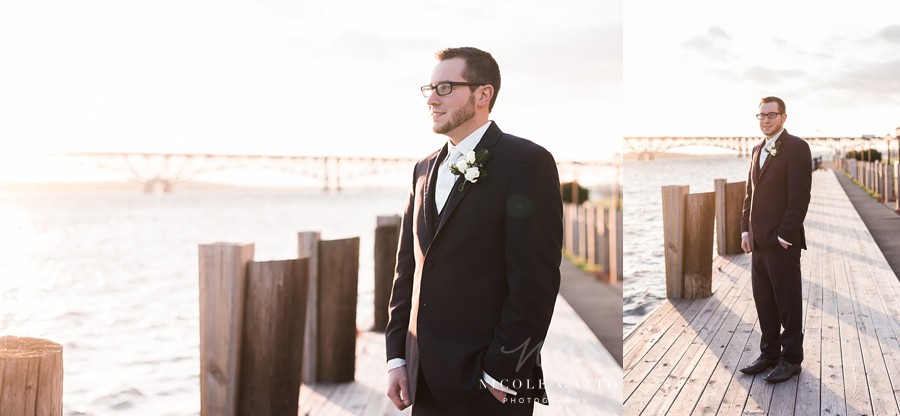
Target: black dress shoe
[
  {"x": 761, "y": 364},
  {"x": 782, "y": 372}
]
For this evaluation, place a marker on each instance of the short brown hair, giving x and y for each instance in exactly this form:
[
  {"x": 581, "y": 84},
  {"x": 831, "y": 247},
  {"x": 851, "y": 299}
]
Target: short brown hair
[
  {"x": 480, "y": 67},
  {"x": 781, "y": 108}
]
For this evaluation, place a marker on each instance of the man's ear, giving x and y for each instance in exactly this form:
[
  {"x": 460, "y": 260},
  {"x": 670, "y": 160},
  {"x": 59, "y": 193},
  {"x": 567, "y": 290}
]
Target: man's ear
[{"x": 485, "y": 94}]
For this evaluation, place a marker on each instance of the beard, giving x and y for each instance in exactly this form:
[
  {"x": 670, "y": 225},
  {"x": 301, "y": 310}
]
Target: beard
[{"x": 463, "y": 115}]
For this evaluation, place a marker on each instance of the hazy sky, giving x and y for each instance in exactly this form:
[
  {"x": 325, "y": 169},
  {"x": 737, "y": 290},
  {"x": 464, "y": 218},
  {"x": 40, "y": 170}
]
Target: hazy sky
[
  {"x": 297, "y": 77},
  {"x": 700, "y": 67}
]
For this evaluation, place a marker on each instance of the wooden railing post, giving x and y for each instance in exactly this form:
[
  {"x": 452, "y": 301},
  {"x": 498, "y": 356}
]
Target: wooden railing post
[
  {"x": 223, "y": 275},
  {"x": 387, "y": 236},
  {"x": 888, "y": 182},
  {"x": 729, "y": 207},
  {"x": 616, "y": 236},
  {"x": 338, "y": 278},
  {"x": 700, "y": 212},
  {"x": 308, "y": 247},
  {"x": 590, "y": 234},
  {"x": 673, "y": 197},
  {"x": 272, "y": 343},
  {"x": 31, "y": 377},
  {"x": 582, "y": 232},
  {"x": 603, "y": 241}
]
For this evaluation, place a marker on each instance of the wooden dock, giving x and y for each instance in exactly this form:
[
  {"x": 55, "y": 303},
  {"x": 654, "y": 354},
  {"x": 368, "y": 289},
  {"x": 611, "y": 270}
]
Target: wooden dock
[
  {"x": 582, "y": 377},
  {"x": 683, "y": 358}
]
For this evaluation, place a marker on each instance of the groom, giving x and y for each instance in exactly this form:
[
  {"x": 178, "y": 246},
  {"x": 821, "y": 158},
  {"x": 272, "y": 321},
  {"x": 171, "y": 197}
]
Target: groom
[
  {"x": 478, "y": 260},
  {"x": 778, "y": 193}
]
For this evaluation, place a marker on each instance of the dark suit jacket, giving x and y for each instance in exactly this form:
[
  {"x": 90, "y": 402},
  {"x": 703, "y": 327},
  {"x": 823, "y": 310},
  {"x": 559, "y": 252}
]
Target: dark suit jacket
[
  {"x": 476, "y": 290},
  {"x": 778, "y": 194}
]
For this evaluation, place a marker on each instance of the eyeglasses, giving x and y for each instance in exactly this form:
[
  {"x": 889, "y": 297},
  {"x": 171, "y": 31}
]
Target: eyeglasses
[
  {"x": 444, "y": 88},
  {"x": 771, "y": 115}
]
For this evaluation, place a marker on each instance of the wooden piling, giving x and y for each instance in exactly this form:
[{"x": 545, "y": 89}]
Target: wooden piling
[
  {"x": 603, "y": 239},
  {"x": 223, "y": 272},
  {"x": 31, "y": 377},
  {"x": 387, "y": 236},
  {"x": 729, "y": 207},
  {"x": 583, "y": 229},
  {"x": 590, "y": 233},
  {"x": 700, "y": 210},
  {"x": 308, "y": 247},
  {"x": 272, "y": 345},
  {"x": 616, "y": 239},
  {"x": 568, "y": 224},
  {"x": 339, "y": 273},
  {"x": 673, "y": 206}
]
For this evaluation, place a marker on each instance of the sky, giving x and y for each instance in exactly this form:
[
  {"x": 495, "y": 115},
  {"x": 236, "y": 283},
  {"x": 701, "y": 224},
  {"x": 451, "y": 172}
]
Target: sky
[
  {"x": 699, "y": 68},
  {"x": 295, "y": 77}
]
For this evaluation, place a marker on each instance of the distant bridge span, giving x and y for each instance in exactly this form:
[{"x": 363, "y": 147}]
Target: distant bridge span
[
  {"x": 647, "y": 147},
  {"x": 157, "y": 172}
]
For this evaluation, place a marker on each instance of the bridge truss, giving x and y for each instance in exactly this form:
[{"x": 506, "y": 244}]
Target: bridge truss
[
  {"x": 158, "y": 172},
  {"x": 647, "y": 147}
]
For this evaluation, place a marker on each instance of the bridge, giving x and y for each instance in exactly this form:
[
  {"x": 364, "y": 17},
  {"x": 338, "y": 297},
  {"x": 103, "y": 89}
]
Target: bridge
[
  {"x": 647, "y": 147},
  {"x": 158, "y": 172}
]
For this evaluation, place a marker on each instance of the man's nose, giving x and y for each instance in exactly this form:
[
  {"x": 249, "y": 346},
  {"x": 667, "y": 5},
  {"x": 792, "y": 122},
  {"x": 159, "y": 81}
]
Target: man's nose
[{"x": 433, "y": 99}]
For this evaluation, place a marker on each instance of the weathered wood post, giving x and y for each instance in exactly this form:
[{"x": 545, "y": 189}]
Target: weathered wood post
[
  {"x": 272, "y": 343},
  {"x": 673, "y": 197},
  {"x": 896, "y": 173},
  {"x": 876, "y": 178},
  {"x": 590, "y": 233},
  {"x": 582, "y": 232},
  {"x": 729, "y": 207},
  {"x": 223, "y": 275},
  {"x": 568, "y": 220},
  {"x": 889, "y": 193},
  {"x": 616, "y": 244},
  {"x": 700, "y": 212},
  {"x": 31, "y": 377},
  {"x": 308, "y": 247},
  {"x": 339, "y": 274},
  {"x": 602, "y": 247},
  {"x": 387, "y": 236}
]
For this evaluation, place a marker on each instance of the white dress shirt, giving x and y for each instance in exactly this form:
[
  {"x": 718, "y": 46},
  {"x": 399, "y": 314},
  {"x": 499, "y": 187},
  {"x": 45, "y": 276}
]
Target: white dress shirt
[
  {"x": 443, "y": 186},
  {"x": 445, "y": 179}
]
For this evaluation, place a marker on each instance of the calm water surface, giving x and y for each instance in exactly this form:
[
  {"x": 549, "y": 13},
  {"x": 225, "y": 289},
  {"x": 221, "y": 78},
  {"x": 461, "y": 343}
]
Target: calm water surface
[
  {"x": 644, "y": 260},
  {"x": 112, "y": 275}
]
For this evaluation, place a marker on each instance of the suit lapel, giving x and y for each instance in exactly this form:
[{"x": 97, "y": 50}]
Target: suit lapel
[
  {"x": 491, "y": 136},
  {"x": 756, "y": 155},
  {"x": 430, "y": 207}
]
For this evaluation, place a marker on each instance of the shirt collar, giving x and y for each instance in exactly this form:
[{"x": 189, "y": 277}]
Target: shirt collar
[
  {"x": 770, "y": 140},
  {"x": 470, "y": 141}
]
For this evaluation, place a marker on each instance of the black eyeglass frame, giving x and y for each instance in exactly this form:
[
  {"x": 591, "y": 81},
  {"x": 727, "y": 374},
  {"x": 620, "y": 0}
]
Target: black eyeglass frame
[
  {"x": 770, "y": 116},
  {"x": 426, "y": 89}
]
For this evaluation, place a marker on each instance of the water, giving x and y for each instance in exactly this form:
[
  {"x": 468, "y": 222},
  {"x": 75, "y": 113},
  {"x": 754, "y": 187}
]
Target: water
[
  {"x": 111, "y": 274},
  {"x": 643, "y": 256}
]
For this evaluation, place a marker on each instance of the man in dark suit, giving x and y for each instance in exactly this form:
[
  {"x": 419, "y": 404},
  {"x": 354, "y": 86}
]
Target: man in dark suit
[
  {"x": 478, "y": 261},
  {"x": 778, "y": 193}
]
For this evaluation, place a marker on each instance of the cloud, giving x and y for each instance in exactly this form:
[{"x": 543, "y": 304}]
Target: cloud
[
  {"x": 891, "y": 34},
  {"x": 712, "y": 44},
  {"x": 876, "y": 80},
  {"x": 769, "y": 77},
  {"x": 716, "y": 32}
]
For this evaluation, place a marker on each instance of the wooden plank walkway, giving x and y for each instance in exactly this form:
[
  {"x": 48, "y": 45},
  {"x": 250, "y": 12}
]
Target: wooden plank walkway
[
  {"x": 683, "y": 358},
  {"x": 582, "y": 377}
]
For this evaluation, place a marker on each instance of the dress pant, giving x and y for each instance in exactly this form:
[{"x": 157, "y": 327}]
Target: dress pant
[
  {"x": 482, "y": 405},
  {"x": 778, "y": 294}
]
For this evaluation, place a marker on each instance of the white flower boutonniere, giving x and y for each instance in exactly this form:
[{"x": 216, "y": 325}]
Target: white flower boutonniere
[
  {"x": 773, "y": 148},
  {"x": 471, "y": 167}
]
